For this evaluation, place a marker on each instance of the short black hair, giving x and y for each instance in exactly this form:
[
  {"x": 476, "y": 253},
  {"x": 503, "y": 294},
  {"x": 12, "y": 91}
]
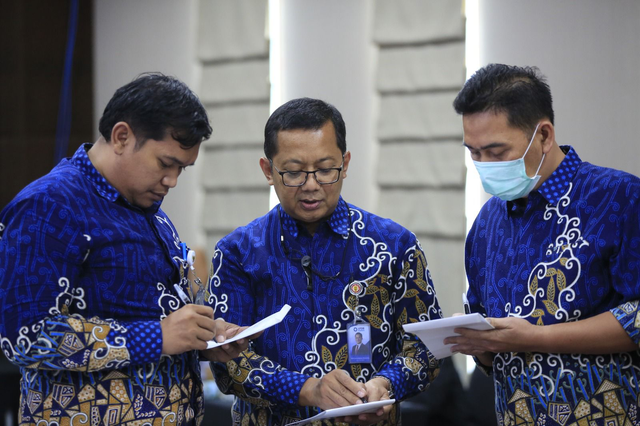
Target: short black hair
[
  {"x": 303, "y": 113},
  {"x": 154, "y": 104},
  {"x": 520, "y": 92}
]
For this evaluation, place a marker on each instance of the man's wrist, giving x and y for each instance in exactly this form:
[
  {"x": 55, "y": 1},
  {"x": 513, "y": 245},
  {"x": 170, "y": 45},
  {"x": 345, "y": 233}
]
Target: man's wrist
[
  {"x": 305, "y": 397},
  {"x": 388, "y": 386}
]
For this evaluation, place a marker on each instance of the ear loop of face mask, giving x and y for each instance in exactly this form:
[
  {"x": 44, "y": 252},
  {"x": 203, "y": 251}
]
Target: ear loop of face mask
[{"x": 525, "y": 154}]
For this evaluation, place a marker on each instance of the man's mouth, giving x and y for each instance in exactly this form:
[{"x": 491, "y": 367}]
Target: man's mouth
[{"x": 310, "y": 204}]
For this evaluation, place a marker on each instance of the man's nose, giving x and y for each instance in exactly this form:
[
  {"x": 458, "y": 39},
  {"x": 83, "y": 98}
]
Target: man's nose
[{"x": 170, "y": 180}]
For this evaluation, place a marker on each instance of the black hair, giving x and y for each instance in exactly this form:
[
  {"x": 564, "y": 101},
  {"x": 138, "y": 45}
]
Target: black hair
[
  {"x": 520, "y": 92},
  {"x": 303, "y": 113},
  {"x": 154, "y": 104}
]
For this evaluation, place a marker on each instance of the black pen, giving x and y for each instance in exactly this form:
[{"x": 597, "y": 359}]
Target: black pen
[{"x": 465, "y": 303}]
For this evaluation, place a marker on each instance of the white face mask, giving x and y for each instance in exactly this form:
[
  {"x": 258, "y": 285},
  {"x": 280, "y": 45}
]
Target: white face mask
[{"x": 508, "y": 180}]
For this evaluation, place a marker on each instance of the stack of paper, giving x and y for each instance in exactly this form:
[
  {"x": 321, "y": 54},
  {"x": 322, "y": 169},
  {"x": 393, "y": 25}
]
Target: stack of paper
[{"x": 433, "y": 332}]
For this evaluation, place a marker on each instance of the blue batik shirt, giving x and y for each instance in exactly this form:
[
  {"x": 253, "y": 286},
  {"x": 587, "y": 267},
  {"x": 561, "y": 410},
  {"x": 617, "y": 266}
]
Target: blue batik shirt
[
  {"x": 570, "y": 251},
  {"x": 85, "y": 279},
  {"x": 381, "y": 272}
]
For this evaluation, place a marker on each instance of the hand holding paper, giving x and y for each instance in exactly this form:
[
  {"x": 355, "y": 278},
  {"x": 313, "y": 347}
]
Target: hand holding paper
[
  {"x": 433, "y": 332},
  {"x": 255, "y": 328},
  {"x": 351, "y": 410}
]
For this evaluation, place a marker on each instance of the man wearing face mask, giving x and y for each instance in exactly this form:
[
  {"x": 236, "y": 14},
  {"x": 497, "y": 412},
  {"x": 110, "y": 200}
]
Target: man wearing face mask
[{"x": 552, "y": 260}]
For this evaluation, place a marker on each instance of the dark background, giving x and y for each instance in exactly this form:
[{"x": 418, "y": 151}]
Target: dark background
[{"x": 33, "y": 37}]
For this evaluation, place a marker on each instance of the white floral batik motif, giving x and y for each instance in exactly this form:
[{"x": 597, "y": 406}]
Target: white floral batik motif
[
  {"x": 219, "y": 304},
  {"x": 559, "y": 290},
  {"x": 548, "y": 299},
  {"x": 380, "y": 258}
]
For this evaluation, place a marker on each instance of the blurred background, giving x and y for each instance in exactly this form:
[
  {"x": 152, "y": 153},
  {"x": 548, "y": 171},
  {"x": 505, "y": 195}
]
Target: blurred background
[{"x": 392, "y": 68}]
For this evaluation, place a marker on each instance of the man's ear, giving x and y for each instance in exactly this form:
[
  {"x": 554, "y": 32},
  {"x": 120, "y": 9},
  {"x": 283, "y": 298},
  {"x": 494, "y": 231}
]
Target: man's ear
[
  {"x": 121, "y": 136},
  {"x": 265, "y": 165},
  {"x": 548, "y": 133},
  {"x": 345, "y": 166}
]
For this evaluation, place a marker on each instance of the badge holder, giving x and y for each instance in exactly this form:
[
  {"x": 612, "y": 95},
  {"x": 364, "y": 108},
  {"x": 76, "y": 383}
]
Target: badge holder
[
  {"x": 358, "y": 333},
  {"x": 188, "y": 260}
]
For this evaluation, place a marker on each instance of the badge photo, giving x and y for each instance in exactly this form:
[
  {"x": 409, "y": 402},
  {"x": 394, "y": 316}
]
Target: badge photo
[{"x": 359, "y": 340}]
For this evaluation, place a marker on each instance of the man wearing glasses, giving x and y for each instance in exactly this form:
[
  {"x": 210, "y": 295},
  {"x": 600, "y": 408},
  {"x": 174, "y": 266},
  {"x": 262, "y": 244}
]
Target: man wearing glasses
[{"x": 343, "y": 270}]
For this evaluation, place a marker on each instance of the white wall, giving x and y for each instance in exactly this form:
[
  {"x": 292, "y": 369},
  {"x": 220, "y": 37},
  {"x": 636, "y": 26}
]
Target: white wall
[
  {"x": 131, "y": 37},
  {"x": 327, "y": 53},
  {"x": 590, "y": 52}
]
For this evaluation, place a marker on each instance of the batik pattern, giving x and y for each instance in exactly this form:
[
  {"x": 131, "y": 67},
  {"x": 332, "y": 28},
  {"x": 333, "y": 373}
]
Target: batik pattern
[
  {"x": 85, "y": 279},
  {"x": 254, "y": 276},
  {"x": 570, "y": 252}
]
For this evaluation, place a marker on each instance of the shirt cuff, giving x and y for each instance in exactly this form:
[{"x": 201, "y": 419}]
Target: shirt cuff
[
  {"x": 286, "y": 385},
  {"x": 144, "y": 341},
  {"x": 628, "y": 316}
]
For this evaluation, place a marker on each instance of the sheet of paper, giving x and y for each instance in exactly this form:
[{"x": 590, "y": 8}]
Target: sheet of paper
[
  {"x": 255, "y": 328},
  {"x": 351, "y": 410},
  {"x": 433, "y": 332}
]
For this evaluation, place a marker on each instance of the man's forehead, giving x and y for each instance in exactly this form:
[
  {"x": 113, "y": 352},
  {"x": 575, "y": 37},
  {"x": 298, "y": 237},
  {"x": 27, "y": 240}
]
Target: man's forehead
[
  {"x": 488, "y": 130},
  {"x": 170, "y": 148},
  {"x": 487, "y": 118}
]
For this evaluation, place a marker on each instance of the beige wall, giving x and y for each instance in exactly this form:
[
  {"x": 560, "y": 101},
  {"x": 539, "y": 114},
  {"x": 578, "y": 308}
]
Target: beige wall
[
  {"x": 590, "y": 52},
  {"x": 131, "y": 37},
  {"x": 392, "y": 68},
  {"x": 420, "y": 169}
]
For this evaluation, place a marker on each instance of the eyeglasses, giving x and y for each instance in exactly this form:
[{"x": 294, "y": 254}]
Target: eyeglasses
[{"x": 299, "y": 178}]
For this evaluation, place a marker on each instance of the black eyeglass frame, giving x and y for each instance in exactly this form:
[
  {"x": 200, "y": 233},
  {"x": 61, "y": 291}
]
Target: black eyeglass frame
[{"x": 339, "y": 169}]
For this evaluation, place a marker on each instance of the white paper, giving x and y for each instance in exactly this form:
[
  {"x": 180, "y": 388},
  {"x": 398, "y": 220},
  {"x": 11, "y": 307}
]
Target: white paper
[
  {"x": 255, "y": 328},
  {"x": 351, "y": 410},
  {"x": 433, "y": 332}
]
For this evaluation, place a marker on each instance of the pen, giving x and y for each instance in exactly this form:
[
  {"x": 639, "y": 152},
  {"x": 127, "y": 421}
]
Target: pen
[
  {"x": 465, "y": 303},
  {"x": 183, "y": 296}
]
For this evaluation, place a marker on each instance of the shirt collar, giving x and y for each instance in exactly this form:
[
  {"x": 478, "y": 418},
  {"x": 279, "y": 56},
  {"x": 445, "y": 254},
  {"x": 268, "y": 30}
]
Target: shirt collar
[
  {"x": 557, "y": 184},
  {"x": 338, "y": 222},
  {"x": 81, "y": 160}
]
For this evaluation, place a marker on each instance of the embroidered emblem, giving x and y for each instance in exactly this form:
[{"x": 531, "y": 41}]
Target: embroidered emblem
[{"x": 355, "y": 288}]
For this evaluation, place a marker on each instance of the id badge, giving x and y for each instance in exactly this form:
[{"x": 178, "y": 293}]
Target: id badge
[{"x": 359, "y": 340}]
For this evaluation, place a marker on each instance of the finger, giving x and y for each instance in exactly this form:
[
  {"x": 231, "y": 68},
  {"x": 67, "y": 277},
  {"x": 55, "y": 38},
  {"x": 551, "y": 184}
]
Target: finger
[
  {"x": 356, "y": 389},
  {"x": 214, "y": 355},
  {"x": 220, "y": 327},
  {"x": 335, "y": 392},
  {"x": 372, "y": 418},
  {"x": 342, "y": 397},
  {"x": 203, "y": 335},
  {"x": 206, "y": 311},
  {"x": 219, "y": 355},
  {"x": 255, "y": 336},
  {"x": 233, "y": 329},
  {"x": 381, "y": 414},
  {"x": 231, "y": 350}
]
